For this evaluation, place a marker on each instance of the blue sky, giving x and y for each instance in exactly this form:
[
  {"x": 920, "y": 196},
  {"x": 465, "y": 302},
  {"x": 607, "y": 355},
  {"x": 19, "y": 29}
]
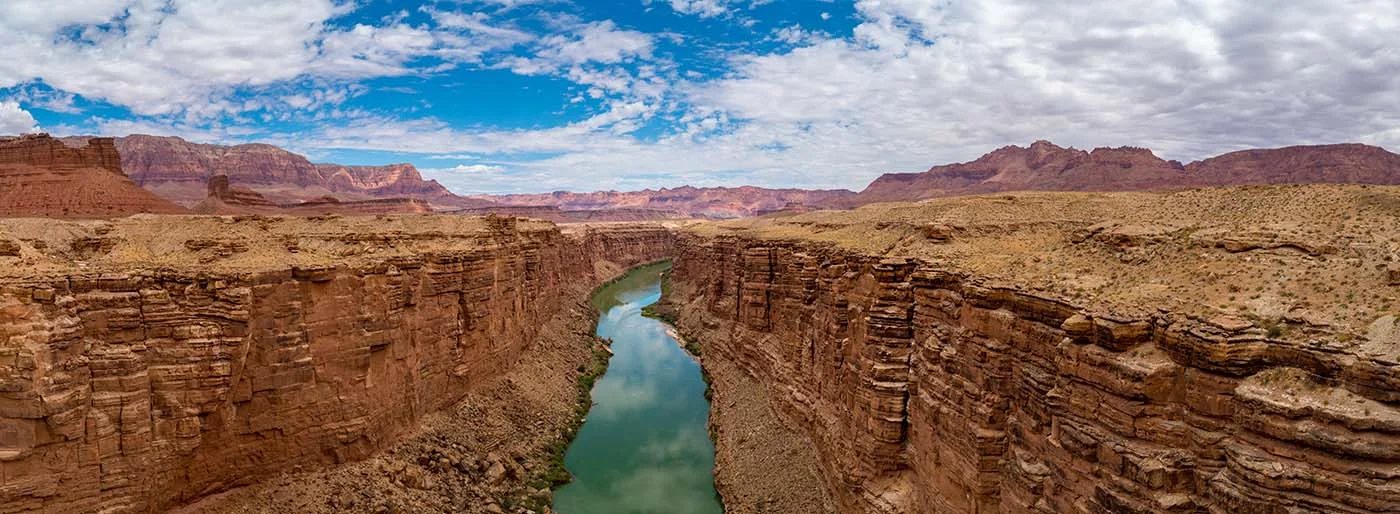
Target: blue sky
[{"x": 542, "y": 95}]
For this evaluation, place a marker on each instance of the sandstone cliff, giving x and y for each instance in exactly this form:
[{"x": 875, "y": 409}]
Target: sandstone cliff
[
  {"x": 1046, "y": 167},
  {"x": 1225, "y": 351},
  {"x": 149, "y": 361},
  {"x": 43, "y": 177}
]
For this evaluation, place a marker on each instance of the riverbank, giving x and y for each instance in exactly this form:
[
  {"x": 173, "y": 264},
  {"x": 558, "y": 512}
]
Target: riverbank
[{"x": 762, "y": 465}]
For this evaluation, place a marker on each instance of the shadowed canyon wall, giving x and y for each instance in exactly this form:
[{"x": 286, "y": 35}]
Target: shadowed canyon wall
[
  {"x": 930, "y": 390},
  {"x": 150, "y": 361}
]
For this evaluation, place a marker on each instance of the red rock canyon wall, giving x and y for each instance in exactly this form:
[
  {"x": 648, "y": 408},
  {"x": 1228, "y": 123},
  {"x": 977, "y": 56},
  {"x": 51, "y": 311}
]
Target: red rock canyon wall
[
  {"x": 928, "y": 391},
  {"x": 138, "y": 390}
]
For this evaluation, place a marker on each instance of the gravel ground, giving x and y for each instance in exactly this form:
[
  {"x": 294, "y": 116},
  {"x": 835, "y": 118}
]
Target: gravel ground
[{"x": 761, "y": 464}]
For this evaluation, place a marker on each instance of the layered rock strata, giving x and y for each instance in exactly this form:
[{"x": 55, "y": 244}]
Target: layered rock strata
[
  {"x": 972, "y": 356},
  {"x": 177, "y": 169},
  {"x": 44, "y": 177},
  {"x": 227, "y": 199},
  {"x": 150, "y": 361}
]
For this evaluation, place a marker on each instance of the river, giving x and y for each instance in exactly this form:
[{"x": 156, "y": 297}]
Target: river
[{"x": 644, "y": 448}]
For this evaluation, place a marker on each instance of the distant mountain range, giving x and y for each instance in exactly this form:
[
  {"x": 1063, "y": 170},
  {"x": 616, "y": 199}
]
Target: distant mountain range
[
  {"x": 262, "y": 177},
  {"x": 179, "y": 171},
  {"x": 1046, "y": 167}
]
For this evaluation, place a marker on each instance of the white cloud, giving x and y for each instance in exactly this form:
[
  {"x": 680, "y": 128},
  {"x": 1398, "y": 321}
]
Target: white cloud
[
  {"x": 702, "y": 8},
  {"x": 796, "y": 35},
  {"x": 474, "y": 168},
  {"x": 599, "y": 42},
  {"x": 15, "y": 120},
  {"x": 190, "y": 57}
]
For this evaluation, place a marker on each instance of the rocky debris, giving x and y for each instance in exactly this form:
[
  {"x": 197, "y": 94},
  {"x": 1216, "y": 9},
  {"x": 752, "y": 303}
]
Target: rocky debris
[
  {"x": 43, "y": 177},
  {"x": 175, "y": 375},
  {"x": 1245, "y": 361},
  {"x": 939, "y": 232},
  {"x": 1044, "y": 166}
]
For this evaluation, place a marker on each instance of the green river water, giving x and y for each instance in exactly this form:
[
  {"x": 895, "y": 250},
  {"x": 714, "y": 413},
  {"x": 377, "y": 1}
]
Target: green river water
[{"x": 644, "y": 448}]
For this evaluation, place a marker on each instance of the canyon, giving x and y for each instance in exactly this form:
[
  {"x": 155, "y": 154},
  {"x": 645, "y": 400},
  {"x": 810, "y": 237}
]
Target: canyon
[
  {"x": 149, "y": 361},
  {"x": 1226, "y": 350},
  {"x": 1215, "y": 350}
]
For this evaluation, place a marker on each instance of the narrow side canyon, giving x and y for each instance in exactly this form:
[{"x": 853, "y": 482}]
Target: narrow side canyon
[{"x": 149, "y": 361}]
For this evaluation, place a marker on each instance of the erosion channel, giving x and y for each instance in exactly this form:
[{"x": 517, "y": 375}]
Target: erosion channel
[{"x": 644, "y": 447}]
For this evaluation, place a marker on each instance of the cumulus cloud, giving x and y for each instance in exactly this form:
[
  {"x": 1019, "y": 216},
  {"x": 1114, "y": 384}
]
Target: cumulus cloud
[
  {"x": 702, "y": 8},
  {"x": 599, "y": 42},
  {"x": 15, "y": 120},
  {"x": 191, "y": 56}
]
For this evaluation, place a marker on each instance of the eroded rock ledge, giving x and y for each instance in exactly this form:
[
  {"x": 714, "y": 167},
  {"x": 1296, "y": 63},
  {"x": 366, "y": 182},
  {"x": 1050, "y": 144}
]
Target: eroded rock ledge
[
  {"x": 917, "y": 348},
  {"x": 149, "y": 361}
]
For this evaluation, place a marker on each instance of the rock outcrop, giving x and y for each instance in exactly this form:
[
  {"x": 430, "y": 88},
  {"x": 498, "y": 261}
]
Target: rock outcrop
[
  {"x": 1046, "y": 167},
  {"x": 223, "y": 192},
  {"x": 227, "y": 199},
  {"x": 1224, "y": 351},
  {"x": 149, "y": 361},
  {"x": 43, "y": 177}
]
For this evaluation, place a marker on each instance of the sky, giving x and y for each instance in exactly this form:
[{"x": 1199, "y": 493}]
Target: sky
[{"x": 500, "y": 96}]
